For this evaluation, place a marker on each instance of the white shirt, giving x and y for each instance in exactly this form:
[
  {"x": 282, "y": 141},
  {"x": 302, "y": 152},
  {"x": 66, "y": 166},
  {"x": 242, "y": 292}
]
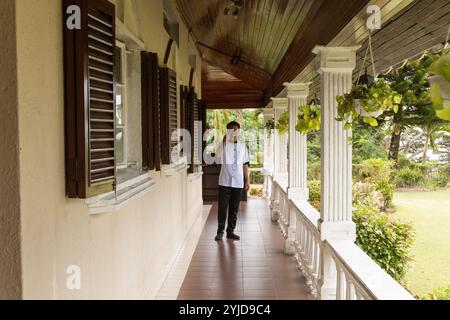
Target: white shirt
[{"x": 233, "y": 157}]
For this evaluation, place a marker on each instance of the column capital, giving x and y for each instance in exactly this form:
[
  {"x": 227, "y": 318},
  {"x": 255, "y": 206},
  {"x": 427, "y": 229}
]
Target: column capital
[
  {"x": 267, "y": 112},
  {"x": 335, "y": 59},
  {"x": 297, "y": 89},
  {"x": 280, "y": 103}
]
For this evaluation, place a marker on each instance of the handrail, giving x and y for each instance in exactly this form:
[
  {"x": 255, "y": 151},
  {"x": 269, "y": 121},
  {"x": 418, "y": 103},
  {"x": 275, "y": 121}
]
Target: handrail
[{"x": 360, "y": 277}]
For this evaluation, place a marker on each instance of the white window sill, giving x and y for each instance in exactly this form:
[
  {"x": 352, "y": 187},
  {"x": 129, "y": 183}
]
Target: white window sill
[
  {"x": 126, "y": 192},
  {"x": 175, "y": 168}
]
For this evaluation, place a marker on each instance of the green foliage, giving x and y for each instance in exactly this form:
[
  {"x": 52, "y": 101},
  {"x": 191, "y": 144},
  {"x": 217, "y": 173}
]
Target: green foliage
[
  {"x": 308, "y": 119},
  {"x": 441, "y": 69},
  {"x": 365, "y": 193},
  {"x": 269, "y": 126},
  {"x": 256, "y": 177},
  {"x": 441, "y": 293},
  {"x": 377, "y": 96},
  {"x": 313, "y": 149},
  {"x": 314, "y": 193},
  {"x": 283, "y": 123},
  {"x": 367, "y": 143},
  {"x": 408, "y": 177},
  {"x": 379, "y": 173},
  {"x": 386, "y": 240},
  {"x": 430, "y": 175},
  {"x": 314, "y": 171}
]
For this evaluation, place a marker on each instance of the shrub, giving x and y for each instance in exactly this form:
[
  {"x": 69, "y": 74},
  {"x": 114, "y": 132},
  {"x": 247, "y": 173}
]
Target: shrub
[
  {"x": 256, "y": 177},
  {"x": 314, "y": 193},
  {"x": 386, "y": 240},
  {"x": 256, "y": 191},
  {"x": 379, "y": 173},
  {"x": 366, "y": 194},
  {"x": 442, "y": 293},
  {"x": 407, "y": 177},
  {"x": 314, "y": 171}
]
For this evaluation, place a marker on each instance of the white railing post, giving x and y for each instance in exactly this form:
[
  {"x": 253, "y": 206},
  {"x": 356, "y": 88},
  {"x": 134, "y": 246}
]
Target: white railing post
[
  {"x": 297, "y": 94},
  {"x": 335, "y": 66}
]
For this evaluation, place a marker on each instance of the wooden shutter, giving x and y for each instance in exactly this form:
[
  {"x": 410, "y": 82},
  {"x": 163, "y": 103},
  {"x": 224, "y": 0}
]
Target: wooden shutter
[
  {"x": 168, "y": 112},
  {"x": 150, "y": 111},
  {"x": 89, "y": 100},
  {"x": 192, "y": 125}
]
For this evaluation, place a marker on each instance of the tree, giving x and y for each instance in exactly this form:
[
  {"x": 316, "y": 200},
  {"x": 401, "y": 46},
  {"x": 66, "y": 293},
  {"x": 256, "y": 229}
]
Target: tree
[{"x": 411, "y": 81}]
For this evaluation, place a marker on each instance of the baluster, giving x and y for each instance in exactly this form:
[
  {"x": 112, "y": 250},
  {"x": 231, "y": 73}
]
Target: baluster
[
  {"x": 341, "y": 284},
  {"x": 350, "y": 291}
]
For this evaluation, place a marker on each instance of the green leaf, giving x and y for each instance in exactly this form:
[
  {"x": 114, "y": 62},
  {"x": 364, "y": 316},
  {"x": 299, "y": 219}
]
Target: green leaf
[
  {"x": 371, "y": 121},
  {"x": 436, "y": 98},
  {"x": 444, "y": 113}
]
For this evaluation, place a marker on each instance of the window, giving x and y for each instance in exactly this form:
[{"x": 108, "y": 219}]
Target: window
[{"x": 104, "y": 107}]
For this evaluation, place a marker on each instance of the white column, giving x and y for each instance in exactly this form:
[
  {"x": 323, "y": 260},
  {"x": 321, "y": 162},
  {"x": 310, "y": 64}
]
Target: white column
[
  {"x": 297, "y": 94},
  {"x": 268, "y": 153},
  {"x": 281, "y": 140},
  {"x": 335, "y": 66}
]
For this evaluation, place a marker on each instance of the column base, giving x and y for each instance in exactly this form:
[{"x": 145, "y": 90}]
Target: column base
[
  {"x": 345, "y": 230},
  {"x": 298, "y": 193}
]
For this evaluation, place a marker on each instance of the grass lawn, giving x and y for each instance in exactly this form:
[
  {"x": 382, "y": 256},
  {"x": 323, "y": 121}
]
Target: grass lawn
[{"x": 429, "y": 212}]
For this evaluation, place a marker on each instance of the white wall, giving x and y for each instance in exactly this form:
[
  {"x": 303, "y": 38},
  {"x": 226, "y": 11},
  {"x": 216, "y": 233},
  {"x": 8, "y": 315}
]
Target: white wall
[{"x": 122, "y": 254}]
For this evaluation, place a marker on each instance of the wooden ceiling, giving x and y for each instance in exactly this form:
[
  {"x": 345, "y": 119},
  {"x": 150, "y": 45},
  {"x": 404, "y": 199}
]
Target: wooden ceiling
[
  {"x": 418, "y": 26},
  {"x": 223, "y": 90},
  {"x": 273, "y": 37}
]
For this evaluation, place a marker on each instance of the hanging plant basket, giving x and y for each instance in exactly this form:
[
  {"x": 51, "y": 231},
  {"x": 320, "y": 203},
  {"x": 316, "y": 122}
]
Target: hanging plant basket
[
  {"x": 308, "y": 119},
  {"x": 283, "y": 123},
  {"x": 269, "y": 126},
  {"x": 364, "y": 113},
  {"x": 367, "y": 102},
  {"x": 369, "y": 97}
]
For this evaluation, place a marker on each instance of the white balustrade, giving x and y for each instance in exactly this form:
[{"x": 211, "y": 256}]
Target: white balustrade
[
  {"x": 358, "y": 277},
  {"x": 307, "y": 243}
]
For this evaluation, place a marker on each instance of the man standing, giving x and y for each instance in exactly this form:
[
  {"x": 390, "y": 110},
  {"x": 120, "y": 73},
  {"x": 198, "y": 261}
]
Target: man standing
[{"x": 233, "y": 178}]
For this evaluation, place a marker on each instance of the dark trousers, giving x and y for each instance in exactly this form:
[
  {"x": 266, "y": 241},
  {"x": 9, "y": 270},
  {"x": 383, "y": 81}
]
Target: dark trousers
[{"x": 229, "y": 198}]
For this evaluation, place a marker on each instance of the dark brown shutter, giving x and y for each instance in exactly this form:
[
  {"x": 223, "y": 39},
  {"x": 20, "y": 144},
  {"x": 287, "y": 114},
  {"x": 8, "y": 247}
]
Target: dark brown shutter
[
  {"x": 193, "y": 116},
  {"x": 155, "y": 105},
  {"x": 150, "y": 93},
  {"x": 168, "y": 112},
  {"x": 89, "y": 100}
]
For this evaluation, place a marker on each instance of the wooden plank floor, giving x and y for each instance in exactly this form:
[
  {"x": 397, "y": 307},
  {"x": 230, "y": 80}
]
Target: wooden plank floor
[{"x": 252, "y": 268}]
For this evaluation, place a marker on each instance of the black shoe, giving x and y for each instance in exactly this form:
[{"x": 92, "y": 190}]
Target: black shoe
[
  {"x": 233, "y": 236},
  {"x": 218, "y": 237}
]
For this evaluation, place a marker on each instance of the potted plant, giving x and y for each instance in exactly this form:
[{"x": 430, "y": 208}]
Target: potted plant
[
  {"x": 283, "y": 123},
  {"x": 367, "y": 100},
  {"x": 440, "y": 85},
  {"x": 308, "y": 119}
]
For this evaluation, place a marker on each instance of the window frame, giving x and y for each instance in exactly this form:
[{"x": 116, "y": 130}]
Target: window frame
[{"x": 123, "y": 69}]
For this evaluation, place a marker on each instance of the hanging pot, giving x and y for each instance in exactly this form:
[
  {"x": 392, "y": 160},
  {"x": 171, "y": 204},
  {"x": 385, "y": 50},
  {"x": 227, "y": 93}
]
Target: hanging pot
[{"x": 364, "y": 113}]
